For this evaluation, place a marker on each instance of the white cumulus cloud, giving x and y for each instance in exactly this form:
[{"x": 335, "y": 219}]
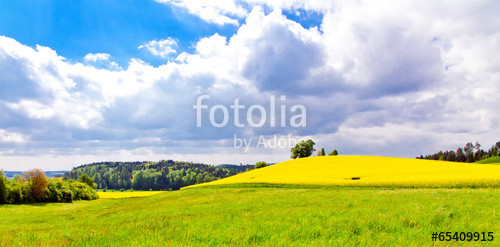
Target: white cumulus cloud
[
  {"x": 377, "y": 77},
  {"x": 162, "y": 48}
]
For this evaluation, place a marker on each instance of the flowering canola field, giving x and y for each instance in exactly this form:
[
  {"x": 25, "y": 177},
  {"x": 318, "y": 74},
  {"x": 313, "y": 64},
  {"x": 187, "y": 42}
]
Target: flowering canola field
[
  {"x": 126, "y": 194},
  {"x": 348, "y": 170}
]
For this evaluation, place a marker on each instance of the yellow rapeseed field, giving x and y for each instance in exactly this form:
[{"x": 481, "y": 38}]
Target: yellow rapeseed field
[
  {"x": 126, "y": 194},
  {"x": 348, "y": 170}
]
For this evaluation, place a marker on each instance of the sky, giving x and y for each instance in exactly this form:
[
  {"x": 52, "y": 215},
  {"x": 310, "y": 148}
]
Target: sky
[{"x": 226, "y": 81}]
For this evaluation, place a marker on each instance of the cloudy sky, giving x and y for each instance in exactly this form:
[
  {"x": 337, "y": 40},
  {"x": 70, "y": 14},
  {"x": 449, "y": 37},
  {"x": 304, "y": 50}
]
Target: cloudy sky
[{"x": 86, "y": 81}]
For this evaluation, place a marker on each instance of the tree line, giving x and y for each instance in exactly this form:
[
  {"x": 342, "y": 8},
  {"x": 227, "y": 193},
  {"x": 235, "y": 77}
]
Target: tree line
[
  {"x": 469, "y": 153},
  {"x": 34, "y": 186},
  {"x": 162, "y": 175}
]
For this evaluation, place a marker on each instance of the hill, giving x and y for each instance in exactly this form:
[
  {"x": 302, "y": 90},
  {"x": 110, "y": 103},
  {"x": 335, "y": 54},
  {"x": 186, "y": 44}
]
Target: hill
[
  {"x": 162, "y": 175},
  {"x": 491, "y": 160},
  {"x": 370, "y": 171}
]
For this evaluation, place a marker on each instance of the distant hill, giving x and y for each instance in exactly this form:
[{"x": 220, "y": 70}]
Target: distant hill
[
  {"x": 490, "y": 160},
  {"x": 146, "y": 175},
  {"x": 50, "y": 174},
  {"x": 240, "y": 168}
]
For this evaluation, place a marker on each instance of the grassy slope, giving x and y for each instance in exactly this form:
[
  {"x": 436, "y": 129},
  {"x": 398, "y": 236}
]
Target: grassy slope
[
  {"x": 490, "y": 160},
  {"x": 372, "y": 171},
  {"x": 211, "y": 216}
]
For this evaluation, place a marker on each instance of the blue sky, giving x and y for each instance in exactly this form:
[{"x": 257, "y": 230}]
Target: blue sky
[
  {"x": 87, "y": 81},
  {"x": 76, "y": 28}
]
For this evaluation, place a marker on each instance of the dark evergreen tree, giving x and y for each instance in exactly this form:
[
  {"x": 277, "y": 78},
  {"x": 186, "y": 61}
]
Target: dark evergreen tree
[{"x": 460, "y": 157}]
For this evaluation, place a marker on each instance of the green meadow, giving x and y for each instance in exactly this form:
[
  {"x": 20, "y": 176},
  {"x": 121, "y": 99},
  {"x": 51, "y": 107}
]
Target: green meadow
[
  {"x": 490, "y": 160},
  {"x": 258, "y": 216}
]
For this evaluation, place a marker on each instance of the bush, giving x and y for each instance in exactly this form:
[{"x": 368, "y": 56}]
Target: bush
[
  {"x": 260, "y": 164},
  {"x": 15, "y": 192},
  {"x": 81, "y": 191},
  {"x": 66, "y": 194},
  {"x": 55, "y": 191}
]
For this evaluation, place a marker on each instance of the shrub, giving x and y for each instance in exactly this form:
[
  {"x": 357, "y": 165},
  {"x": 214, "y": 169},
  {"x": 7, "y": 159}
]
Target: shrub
[
  {"x": 260, "y": 164},
  {"x": 55, "y": 191},
  {"x": 15, "y": 192},
  {"x": 66, "y": 194}
]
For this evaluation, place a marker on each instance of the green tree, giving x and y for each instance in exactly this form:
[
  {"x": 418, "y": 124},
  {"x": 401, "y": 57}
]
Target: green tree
[
  {"x": 84, "y": 178},
  {"x": 3, "y": 188},
  {"x": 138, "y": 182},
  {"x": 260, "y": 164},
  {"x": 303, "y": 149},
  {"x": 333, "y": 153},
  {"x": 321, "y": 152}
]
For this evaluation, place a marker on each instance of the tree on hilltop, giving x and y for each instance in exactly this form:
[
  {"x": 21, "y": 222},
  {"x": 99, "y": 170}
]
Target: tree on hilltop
[
  {"x": 260, "y": 164},
  {"x": 303, "y": 149}
]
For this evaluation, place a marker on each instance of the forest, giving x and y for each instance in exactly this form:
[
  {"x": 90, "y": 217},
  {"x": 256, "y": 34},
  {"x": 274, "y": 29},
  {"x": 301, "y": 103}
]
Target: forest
[
  {"x": 469, "y": 153},
  {"x": 162, "y": 175}
]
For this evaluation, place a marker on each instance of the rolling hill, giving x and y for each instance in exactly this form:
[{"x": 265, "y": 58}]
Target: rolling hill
[
  {"x": 369, "y": 171},
  {"x": 490, "y": 160}
]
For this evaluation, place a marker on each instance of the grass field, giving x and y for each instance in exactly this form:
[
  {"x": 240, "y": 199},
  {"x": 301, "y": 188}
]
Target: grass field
[
  {"x": 371, "y": 171},
  {"x": 125, "y": 194},
  {"x": 260, "y": 216},
  {"x": 306, "y": 202},
  {"x": 490, "y": 160}
]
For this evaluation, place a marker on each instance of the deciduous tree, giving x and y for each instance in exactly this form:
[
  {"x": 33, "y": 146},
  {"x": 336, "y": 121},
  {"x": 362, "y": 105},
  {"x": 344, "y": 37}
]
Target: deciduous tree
[
  {"x": 303, "y": 149},
  {"x": 84, "y": 178},
  {"x": 37, "y": 181}
]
